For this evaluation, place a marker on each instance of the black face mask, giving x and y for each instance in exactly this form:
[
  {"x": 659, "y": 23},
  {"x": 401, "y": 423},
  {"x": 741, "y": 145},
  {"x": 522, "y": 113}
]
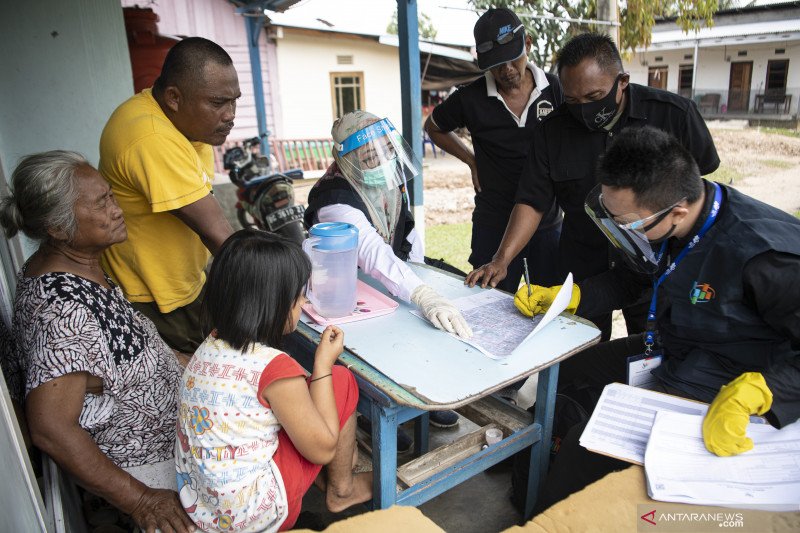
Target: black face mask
[{"x": 595, "y": 115}]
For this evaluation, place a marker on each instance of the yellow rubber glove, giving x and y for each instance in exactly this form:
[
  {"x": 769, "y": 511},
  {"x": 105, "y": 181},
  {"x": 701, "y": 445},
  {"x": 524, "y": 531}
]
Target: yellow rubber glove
[
  {"x": 541, "y": 299},
  {"x": 725, "y": 424}
]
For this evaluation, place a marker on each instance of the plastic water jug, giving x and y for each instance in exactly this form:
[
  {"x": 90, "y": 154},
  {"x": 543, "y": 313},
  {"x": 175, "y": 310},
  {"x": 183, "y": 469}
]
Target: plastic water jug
[{"x": 333, "y": 250}]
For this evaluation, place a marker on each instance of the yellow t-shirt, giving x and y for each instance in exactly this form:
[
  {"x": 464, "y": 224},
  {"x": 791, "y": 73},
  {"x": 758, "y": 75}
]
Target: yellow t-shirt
[{"x": 153, "y": 169}]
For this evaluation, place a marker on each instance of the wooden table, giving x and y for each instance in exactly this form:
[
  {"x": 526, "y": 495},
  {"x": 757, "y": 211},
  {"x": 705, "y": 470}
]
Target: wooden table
[
  {"x": 778, "y": 100},
  {"x": 405, "y": 368}
]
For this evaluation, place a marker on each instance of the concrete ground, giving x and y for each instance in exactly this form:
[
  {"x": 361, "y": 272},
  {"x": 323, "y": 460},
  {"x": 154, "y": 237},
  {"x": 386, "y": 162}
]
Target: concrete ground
[{"x": 479, "y": 505}]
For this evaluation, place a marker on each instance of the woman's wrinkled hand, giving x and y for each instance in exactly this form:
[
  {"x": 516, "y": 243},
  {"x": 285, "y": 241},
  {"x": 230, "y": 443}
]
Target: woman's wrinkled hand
[{"x": 161, "y": 509}]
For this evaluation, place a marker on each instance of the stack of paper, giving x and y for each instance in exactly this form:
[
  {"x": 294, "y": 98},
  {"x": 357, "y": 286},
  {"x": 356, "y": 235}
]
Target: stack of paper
[
  {"x": 621, "y": 422},
  {"x": 680, "y": 469}
]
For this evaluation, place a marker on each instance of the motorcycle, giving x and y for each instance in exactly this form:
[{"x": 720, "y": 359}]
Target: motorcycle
[{"x": 265, "y": 198}]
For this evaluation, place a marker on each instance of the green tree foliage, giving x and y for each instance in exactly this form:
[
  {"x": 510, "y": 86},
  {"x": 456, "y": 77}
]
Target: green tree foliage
[
  {"x": 426, "y": 29},
  {"x": 637, "y": 18}
]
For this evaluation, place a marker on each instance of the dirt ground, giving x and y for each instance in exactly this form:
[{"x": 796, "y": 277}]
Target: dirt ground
[{"x": 761, "y": 165}]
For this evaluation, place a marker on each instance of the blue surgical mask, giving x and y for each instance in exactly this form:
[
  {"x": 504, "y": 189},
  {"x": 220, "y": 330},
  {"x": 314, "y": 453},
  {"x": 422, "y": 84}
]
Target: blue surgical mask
[{"x": 376, "y": 177}]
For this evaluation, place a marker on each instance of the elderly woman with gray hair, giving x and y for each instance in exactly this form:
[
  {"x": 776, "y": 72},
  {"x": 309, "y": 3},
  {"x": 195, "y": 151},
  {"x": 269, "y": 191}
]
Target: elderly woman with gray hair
[{"x": 98, "y": 383}]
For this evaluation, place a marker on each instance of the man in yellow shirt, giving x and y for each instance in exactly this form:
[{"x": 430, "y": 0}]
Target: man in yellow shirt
[{"x": 156, "y": 152}]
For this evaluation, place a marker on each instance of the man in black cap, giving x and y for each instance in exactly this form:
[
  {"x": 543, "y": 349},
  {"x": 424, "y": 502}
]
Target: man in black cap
[
  {"x": 501, "y": 110},
  {"x": 599, "y": 103}
]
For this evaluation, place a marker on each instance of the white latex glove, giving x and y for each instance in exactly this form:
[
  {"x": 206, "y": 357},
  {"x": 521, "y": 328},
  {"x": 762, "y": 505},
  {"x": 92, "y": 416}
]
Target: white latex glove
[{"x": 440, "y": 311}]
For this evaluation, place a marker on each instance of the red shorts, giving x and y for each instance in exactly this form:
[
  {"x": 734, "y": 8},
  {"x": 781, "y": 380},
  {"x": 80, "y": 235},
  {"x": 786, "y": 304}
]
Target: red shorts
[{"x": 298, "y": 472}]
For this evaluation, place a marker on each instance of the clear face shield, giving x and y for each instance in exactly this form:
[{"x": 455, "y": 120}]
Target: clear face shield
[
  {"x": 377, "y": 156},
  {"x": 628, "y": 232}
]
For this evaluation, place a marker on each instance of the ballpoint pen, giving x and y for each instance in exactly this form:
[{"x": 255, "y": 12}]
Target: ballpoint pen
[{"x": 527, "y": 276}]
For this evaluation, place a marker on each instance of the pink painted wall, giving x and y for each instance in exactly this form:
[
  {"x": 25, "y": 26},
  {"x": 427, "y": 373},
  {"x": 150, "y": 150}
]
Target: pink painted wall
[{"x": 217, "y": 20}]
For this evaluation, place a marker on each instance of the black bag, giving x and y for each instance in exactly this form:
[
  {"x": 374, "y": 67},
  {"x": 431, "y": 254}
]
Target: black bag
[
  {"x": 568, "y": 413},
  {"x": 441, "y": 264}
]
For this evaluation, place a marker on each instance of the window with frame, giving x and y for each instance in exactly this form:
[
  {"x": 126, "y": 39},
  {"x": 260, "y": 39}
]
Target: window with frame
[
  {"x": 777, "y": 72},
  {"x": 347, "y": 92}
]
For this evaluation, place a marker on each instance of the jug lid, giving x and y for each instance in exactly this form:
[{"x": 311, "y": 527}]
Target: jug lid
[{"x": 335, "y": 235}]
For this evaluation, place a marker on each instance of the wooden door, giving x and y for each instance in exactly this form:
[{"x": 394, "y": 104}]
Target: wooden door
[
  {"x": 739, "y": 88},
  {"x": 657, "y": 77}
]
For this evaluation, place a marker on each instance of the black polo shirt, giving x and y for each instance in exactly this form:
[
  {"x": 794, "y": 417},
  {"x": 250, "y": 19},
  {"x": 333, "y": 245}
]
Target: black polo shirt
[
  {"x": 500, "y": 144},
  {"x": 563, "y": 160}
]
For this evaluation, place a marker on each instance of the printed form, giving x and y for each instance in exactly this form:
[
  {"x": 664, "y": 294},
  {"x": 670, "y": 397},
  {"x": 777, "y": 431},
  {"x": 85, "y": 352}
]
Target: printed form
[
  {"x": 621, "y": 422},
  {"x": 679, "y": 468},
  {"x": 498, "y": 328}
]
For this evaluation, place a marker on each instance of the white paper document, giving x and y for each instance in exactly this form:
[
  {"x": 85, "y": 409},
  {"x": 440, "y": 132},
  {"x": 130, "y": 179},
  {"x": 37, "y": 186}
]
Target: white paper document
[
  {"x": 621, "y": 422},
  {"x": 498, "y": 328},
  {"x": 680, "y": 469}
]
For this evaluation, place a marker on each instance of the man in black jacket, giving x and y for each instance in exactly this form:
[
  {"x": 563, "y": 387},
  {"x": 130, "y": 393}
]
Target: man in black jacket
[
  {"x": 726, "y": 311},
  {"x": 599, "y": 103}
]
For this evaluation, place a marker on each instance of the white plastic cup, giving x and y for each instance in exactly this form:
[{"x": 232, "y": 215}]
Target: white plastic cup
[{"x": 493, "y": 436}]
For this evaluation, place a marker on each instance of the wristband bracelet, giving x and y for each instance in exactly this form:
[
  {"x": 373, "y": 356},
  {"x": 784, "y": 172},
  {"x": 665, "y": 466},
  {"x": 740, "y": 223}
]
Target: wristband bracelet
[{"x": 321, "y": 377}]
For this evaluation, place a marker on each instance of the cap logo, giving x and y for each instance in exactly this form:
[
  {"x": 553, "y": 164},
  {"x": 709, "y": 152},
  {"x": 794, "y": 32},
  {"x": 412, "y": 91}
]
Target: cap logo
[{"x": 504, "y": 30}]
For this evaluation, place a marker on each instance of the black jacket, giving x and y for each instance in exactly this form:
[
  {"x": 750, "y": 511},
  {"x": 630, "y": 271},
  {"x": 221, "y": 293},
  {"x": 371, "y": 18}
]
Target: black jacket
[{"x": 749, "y": 318}]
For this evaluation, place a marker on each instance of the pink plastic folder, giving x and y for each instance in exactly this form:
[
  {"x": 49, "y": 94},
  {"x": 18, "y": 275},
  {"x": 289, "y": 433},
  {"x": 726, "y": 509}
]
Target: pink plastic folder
[{"x": 369, "y": 304}]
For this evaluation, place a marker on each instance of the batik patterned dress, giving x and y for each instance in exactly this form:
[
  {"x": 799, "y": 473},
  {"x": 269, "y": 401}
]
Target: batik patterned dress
[{"x": 64, "y": 323}]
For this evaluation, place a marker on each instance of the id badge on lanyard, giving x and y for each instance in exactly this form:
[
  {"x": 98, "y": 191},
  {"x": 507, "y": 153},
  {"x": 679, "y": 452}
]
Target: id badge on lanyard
[{"x": 640, "y": 368}]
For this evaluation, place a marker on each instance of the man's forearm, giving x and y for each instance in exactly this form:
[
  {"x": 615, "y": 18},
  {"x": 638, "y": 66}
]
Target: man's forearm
[
  {"x": 520, "y": 228},
  {"x": 206, "y": 218}
]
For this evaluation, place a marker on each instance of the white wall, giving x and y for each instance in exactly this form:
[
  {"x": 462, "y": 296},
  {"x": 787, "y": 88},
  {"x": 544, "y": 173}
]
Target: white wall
[
  {"x": 305, "y": 63},
  {"x": 64, "y": 68},
  {"x": 714, "y": 67}
]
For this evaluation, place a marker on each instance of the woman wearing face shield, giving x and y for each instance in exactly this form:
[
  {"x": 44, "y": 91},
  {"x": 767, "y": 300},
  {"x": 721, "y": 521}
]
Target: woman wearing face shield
[{"x": 365, "y": 186}]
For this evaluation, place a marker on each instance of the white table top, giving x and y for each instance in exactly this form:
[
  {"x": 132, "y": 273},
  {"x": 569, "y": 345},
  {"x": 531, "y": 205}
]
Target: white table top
[{"x": 439, "y": 368}]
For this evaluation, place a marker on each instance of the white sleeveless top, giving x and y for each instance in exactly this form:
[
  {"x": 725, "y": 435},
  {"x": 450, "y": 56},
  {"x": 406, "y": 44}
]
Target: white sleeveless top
[{"x": 227, "y": 478}]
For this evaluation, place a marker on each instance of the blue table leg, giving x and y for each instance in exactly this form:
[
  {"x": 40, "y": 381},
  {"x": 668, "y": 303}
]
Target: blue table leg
[
  {"x": 540, "y": 450},
  {"x": 384, "y": 456},
  {"x": 421, "y": 425}
]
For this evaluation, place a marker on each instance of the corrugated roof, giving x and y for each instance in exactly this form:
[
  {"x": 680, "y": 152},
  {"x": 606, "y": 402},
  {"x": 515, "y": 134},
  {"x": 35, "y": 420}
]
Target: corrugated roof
[
  {"x": 290, "y": 20},
  {"x": 430, "y": 48},
  {"x": 727, "y": 34},
  {"x": 272, "y": 5}
]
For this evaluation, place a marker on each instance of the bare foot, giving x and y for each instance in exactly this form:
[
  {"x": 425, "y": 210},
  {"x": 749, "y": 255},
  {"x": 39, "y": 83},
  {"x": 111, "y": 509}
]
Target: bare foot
[{"x": 361, "y": 491}]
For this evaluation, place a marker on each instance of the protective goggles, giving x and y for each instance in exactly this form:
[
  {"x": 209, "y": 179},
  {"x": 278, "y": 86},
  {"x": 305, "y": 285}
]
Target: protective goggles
[
  {"x": 643, "y": 224},
  {"x": 506, "y": 38},
  {"x": 628, "y": 237}
]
